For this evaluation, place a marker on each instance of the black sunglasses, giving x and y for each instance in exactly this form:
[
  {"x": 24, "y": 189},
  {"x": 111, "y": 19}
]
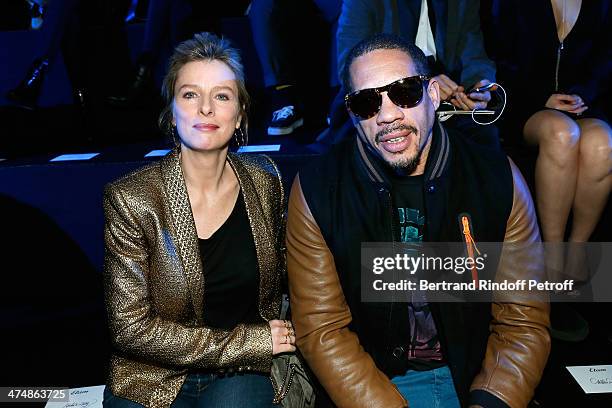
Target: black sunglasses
[{"x": 405, "y": 93}]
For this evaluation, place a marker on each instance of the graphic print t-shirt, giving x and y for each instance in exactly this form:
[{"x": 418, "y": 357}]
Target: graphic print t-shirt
[{"x": 424, "y": 349}]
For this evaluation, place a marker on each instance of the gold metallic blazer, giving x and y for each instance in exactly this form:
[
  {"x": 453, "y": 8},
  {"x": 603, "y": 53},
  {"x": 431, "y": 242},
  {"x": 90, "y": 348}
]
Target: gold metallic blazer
[{"x": 155, "y": 288}]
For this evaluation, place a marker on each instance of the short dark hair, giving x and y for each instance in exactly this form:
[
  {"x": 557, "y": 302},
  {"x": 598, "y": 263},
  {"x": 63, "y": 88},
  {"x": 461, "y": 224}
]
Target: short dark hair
[
  {"x": 203, "y": 47},
  {"x": 384, "y": 42}
]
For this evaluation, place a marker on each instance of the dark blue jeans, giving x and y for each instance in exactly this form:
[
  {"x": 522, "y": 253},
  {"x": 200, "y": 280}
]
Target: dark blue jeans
[{"x": 213, "y": 391}]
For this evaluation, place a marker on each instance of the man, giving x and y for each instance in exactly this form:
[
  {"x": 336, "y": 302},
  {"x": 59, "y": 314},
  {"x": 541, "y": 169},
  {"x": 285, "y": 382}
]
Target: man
[
  {"x": 449, "y": 34},
  {"x": 273, "y": 25},
  {"x": 403, "y": 171}
]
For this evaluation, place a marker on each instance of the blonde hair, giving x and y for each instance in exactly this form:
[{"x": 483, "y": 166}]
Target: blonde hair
[{"x": 202, "y": 47}]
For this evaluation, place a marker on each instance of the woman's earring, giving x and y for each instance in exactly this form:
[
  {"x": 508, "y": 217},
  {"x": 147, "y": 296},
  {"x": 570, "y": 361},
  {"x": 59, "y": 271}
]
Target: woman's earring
[
  {"x": 241, "y": 138},
  {"x": 175, "y": 135}
]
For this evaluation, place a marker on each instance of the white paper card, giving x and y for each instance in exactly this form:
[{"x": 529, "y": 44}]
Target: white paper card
[
  {"x": 72, "y": 157},
  {"x": 259, "y": 148},
  {"x": 86, "y": 397},
  {"x": 157, "y": 153},
  {"x": 593, "y": 379}
]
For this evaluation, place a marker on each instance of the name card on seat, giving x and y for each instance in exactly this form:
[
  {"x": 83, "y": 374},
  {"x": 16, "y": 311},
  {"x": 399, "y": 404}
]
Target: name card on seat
[{"x": 593, "y": 379}]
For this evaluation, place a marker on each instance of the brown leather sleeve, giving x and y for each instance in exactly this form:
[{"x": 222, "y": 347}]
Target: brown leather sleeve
[
  {"x": 321, "y": 317},
  {"x": 519, "y": 342}
]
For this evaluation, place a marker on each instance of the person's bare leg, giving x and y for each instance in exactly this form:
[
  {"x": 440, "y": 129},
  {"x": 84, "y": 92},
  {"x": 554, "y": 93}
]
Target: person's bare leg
[
  {"x": 555, "y": 176},
  {"x": 594, "y": 177},
  {"x": 592, "y": 190},
  {"x": 556, "y": 168}
]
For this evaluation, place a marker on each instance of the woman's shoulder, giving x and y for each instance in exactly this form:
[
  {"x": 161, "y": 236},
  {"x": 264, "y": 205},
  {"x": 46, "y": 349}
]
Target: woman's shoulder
[
  {"x": 139, "y": 182},
  {"x": 259, "y": 176},
  {"x": 259, "y": 164}
]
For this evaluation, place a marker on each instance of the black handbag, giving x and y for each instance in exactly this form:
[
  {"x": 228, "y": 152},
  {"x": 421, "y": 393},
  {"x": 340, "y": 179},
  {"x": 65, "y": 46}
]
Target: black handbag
[{"x": 290, "y": 380}]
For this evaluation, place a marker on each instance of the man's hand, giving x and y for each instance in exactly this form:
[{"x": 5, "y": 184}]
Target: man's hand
[
  {"x": 566, "y": 103},
  {"x": 448, "y": 87},
  {"x": 475, "y": 100}
]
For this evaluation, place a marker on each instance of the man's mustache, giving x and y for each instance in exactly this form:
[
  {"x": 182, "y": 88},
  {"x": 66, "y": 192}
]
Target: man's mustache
[{"x": 392, "y": 129}]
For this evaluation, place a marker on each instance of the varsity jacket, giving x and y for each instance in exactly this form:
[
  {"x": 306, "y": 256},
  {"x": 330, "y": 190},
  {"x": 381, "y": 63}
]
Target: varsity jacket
[{"x": 496, "y": 351}]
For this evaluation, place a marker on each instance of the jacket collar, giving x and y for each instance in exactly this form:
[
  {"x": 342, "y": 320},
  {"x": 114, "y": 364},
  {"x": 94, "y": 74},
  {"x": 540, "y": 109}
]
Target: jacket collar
[
  {"x": 437, "y": 160},
  {"x": 185, "y": 234}
]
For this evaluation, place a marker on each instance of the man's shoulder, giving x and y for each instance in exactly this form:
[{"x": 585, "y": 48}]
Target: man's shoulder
[
  {"x": 481, "y": 170},
  {"x": 469, "y": 152},
  {"x": 327, "y": 168}
]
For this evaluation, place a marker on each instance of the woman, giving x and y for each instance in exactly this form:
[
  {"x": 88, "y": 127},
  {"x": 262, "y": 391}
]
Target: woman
[
  {"x": 556, "y": 59},
  {"x": 193, "y": 257}
]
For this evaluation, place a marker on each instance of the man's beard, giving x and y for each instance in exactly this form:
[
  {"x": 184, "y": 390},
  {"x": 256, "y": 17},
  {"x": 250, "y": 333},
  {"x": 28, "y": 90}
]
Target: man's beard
[{"x": 405, "y": 166}]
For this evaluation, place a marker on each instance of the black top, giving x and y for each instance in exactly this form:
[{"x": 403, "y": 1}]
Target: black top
[
  {"x": 526, "y": 48},
  {"x": 231, "y": 274},
  {"x": 407, "y": 192},
  {"x": 423, "y": 348}
]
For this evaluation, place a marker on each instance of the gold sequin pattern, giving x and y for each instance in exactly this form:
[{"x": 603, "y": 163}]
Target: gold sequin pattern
[{"x": 155, "y": 288}]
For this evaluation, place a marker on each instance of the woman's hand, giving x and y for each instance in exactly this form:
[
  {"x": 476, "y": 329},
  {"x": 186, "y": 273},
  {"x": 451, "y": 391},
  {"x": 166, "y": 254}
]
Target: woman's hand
[
  {"x": 283, "y": 336},
  {"x": 567, "y": 103}
]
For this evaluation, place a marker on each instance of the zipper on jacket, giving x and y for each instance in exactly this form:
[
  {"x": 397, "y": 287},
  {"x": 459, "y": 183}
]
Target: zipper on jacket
[
  {"x": 392, "y": 223},
  {"x": 470, "y": 245},
  {"x": 559, "y": 49},
  {"x": 389, "y": 204}
]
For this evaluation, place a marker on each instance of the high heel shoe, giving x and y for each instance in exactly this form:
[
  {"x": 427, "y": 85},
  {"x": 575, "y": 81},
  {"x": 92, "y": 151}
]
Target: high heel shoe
[
  {"x": 140, "y": 88},
  {"x": 27, "y": 92}
]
